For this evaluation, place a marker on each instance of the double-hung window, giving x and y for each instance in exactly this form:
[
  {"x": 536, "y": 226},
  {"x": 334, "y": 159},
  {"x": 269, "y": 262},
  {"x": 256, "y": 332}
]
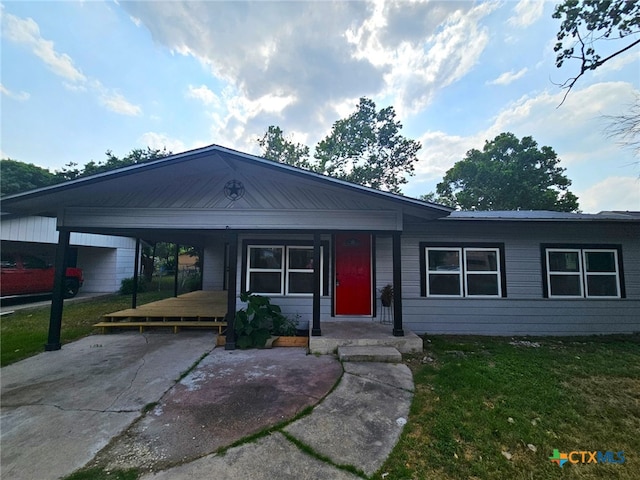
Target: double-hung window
[
  {"x": 573, "y": 272},
  {"x": 462, "y": 271},
  {"x": 280, "y": 270}
]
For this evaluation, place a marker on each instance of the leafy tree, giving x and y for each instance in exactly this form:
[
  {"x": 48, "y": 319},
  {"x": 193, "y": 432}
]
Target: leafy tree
[
  {"x": 136, "y": 156},
  {"x": 508, "y": 174},
  {"x": 587, "y": 21},
  {"x": 365, "y": 148},
  {"x": 276, "y": 147},
  {"x": 19, "y": 177}
]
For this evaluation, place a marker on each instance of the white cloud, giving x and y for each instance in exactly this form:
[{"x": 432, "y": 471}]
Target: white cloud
[
  {"x": 19, "y": 96},
  {"x": 27, "y": 32},
  {"x": 612, "y": 193},
  {"x": 526, "y": 13},
  {"x": 203, "y": 94},
  {"x": 508, "y": 77},
  {"x": 161, "y": 141},
  {"x": 294, "y": 68},
  {"x": 117, "y": 103}
]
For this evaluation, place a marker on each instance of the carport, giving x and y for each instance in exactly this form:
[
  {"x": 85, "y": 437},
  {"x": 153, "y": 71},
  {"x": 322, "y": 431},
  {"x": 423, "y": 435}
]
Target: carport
[{"x": 235, "y": 207}]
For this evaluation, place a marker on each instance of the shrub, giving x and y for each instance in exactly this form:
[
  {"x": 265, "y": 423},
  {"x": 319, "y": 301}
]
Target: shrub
[
  {"x": 255, "y": 324},
  {"x": 126, "y": 285}
]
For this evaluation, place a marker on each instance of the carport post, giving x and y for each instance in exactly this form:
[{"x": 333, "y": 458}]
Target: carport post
[
  {"x": 136, "y": 268},
  {"x": 57, "y": 302},
  {"x": 175, "y": 277},
  {"x": 230, "y": 343},
  {"x": 317, "y": 287},
  {"x": 397, "y": 285}
]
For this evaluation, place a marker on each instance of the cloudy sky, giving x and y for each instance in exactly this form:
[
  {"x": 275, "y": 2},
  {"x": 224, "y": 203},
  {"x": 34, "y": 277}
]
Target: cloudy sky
[{"x": 80, "y": 78}]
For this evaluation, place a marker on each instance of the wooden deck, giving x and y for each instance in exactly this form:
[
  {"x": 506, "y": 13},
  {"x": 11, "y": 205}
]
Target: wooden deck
[{"x": 195, "y": 309}]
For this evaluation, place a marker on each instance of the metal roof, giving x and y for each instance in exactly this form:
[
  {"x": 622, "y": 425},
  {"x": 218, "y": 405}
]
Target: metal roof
[{"x": 544, "y": 215}]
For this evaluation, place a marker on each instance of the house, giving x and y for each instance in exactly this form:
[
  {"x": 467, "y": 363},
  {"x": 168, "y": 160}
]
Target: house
[
  {"x": 323, "y": 248},
  {"x": 105, "y": 260}
]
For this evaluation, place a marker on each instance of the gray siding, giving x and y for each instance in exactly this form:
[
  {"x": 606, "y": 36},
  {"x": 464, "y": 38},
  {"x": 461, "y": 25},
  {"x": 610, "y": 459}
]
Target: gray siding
[{"x": 524, "y": 311}]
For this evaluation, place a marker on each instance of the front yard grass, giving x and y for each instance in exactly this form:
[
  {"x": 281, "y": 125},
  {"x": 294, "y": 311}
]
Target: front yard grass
[{"x": 488, "y": 408}]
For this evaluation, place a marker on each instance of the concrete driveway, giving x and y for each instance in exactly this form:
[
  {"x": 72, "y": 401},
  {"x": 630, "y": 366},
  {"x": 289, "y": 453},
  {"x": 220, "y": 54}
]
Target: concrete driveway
[
  {"x": 125, "y": 400},
  {"x": 60, "y": 409}
]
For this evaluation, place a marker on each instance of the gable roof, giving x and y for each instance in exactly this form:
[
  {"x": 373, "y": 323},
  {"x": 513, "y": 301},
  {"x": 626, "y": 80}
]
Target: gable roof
[{"x": 168, "y": 170}]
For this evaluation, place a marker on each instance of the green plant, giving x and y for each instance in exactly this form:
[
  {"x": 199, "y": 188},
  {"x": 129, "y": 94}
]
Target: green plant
[
  {"x": 386, "y": 295},
  {"x": 255, "y": 324},
  {"x": 126, "y": 285}
]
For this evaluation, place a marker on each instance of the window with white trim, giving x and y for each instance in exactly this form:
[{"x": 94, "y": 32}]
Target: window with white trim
[
  {"x": 281, "y": 270},
  {"x": 463, "y": 272},
  {"x": 582, "y": 273}
]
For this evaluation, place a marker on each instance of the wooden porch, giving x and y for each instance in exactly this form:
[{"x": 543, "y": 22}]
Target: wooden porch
[{"x": 202, "y": 309}]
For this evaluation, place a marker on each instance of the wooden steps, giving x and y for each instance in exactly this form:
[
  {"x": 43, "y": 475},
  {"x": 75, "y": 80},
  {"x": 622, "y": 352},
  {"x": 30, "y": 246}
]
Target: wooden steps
[
  {"x": 206, "y": 309},
  {"x": 176, "y": 325}
]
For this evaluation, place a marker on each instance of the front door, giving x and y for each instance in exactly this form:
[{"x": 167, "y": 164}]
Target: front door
[{"x": 353, "y": 293}]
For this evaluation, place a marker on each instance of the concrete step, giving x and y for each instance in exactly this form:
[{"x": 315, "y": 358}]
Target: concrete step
[{"x": 373, "y": 353}]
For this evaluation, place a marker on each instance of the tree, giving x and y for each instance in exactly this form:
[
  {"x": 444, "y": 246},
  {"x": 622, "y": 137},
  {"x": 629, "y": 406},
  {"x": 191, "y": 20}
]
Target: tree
[
  {"x": 19, "y": 177},
  {"x": 626, "y": 127},
  {"x": 587, "y": 21},
  {"x": 367, "y": 148},
  {"x": 275, "y": 147},
  {"x": 509, "y": 174},
  {"x": 136, "y": 156}
]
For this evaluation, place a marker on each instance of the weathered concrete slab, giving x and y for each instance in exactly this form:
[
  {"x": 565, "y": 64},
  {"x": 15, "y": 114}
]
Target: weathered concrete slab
[
  {"x": 395, "y": 375},
  {"x": 358, "y": 424},
  {"x": 369, "y": 354},
  {"x": 363, "y": 333},
  {"x": 272, "y": 457},
  {"x": 60, "y": 408},
  {"x": 230, "y": 395}
]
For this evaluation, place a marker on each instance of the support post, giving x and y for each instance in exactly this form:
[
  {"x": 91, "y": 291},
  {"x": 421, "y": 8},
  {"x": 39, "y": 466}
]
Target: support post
[
  {"x": 57, "y": 301},
  {"x": 317, "y": 287},
  {"x": 397, "y": 285},
  {"x": 175, "y": 275},
  {"x": 230, "y": 343},
  {"x": 136, "y": 274}
]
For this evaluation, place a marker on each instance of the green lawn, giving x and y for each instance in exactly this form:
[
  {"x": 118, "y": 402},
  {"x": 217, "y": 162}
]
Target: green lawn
[
  {"x": 486, "y": 409},
  {"x": 25, "y": 332}
]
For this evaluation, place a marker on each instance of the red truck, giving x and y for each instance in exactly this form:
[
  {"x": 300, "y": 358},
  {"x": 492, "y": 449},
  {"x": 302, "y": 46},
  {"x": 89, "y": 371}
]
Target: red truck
[{"x": 23, "y": 274}]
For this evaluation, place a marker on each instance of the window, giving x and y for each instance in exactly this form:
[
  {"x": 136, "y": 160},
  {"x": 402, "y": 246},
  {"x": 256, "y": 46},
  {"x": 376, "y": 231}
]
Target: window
[
  {"x": 459, "y": 271},
  {"x": 281, "y": 269},
  {"x": 573, "y": 272}
]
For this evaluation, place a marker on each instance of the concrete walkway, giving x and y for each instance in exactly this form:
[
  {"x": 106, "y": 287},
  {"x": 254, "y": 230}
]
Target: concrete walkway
[{"x": 85, "y": 406}]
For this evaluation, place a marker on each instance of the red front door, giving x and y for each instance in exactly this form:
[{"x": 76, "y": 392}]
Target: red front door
[{"x": 353, "y": 280}]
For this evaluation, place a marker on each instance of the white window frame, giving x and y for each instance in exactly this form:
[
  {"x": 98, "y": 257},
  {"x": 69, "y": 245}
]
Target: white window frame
[
  {"x": 551, "y": 273},
  {"x": 462, "y": 271},
  {"x": 444, "y": 272},
  {"x": 251, "y": 270},
  {"x": 588, "y": 274},
  {"x": 289, "y": 270},
  {"x": 583, "y": 273},
  {"x": 284, "y": 270},
  {"x": 497, "y": 273}
]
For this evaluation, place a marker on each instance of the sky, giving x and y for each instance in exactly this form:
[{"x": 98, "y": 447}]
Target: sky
[{"x": 79, "y": 78}]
